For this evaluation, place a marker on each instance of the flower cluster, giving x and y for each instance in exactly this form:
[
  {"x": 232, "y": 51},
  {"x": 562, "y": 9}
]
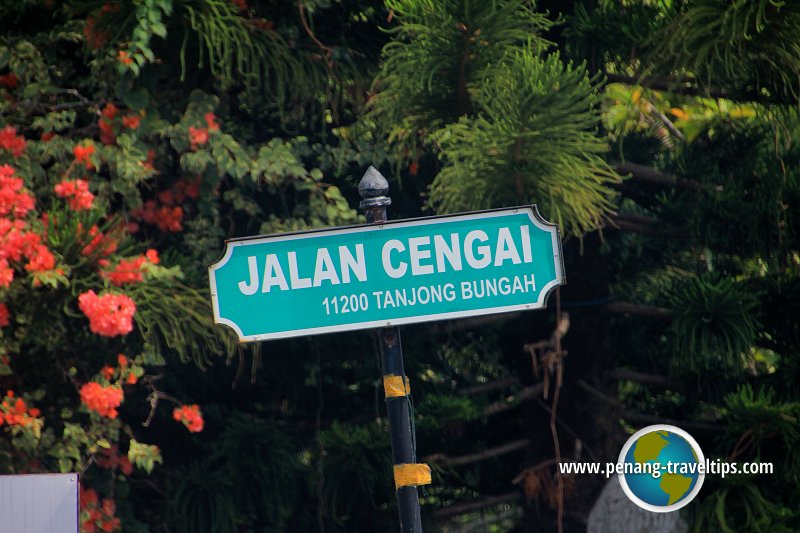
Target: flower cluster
[
  {"x": 106, "y": 124},
  {"x": 101, "y": 245},
  {"x": 13, "y": 411},
  {"x": 199, "y": 136},
  {"x": 76, "y": 193},
  {"x": 97, "y": 516},
  {"x": 15, "y": 242},
  {"x": 83, "y": 155},
  {"x": 131, "y": 270},
  {"x": 131, "y": 121},
  {"x": 14, "y": 199},
  {"x": 111, "y": 459},
  {"x": 165, "y": 217},
  {"x": 190, "y": 416},
  {"x": 10, "y": 80},
  {"x": 5, "y": 318},
  {"x": 109, "y": 314},
  {"x": 165, "y": 213},
  {"x": 9, "y": 140},
  {"x": 103, "y": 400}
]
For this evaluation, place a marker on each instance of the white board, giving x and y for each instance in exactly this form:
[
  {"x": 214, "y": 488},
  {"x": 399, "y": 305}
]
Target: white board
[{"x": 39, "y": 503}]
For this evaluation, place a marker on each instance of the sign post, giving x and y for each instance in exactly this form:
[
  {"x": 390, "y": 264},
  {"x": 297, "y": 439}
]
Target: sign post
[
  {"x": 381, "y": 275},
  {"x": 373, "y": 187}
]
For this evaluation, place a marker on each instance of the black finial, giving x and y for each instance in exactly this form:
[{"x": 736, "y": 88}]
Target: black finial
[{"x": 373, "y": 188}]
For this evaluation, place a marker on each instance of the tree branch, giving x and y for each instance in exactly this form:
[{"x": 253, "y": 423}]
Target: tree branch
[
  {"x": 656, "y": 177},
  {"x": 512, "y": 401},
  {"x": 650, "y": 311},
  {"x": 643, "y": 418},
  {"x": 501, "y": 383},
  {"x": 451, "y": 326},
  {"x": 474, "y": 505},
  {"x": 479, "y": 456},
  {"x": 683, "y": 86},
  {"x": 639, "y": 377}
]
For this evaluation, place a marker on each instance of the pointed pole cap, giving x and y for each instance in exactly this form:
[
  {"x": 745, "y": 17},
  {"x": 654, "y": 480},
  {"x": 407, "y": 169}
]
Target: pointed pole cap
[{"x": 373, "y": 188}]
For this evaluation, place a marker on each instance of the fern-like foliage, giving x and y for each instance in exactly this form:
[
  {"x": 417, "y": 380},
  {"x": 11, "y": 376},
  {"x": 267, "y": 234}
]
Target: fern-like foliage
[
  {"x": 742, "y": 506},
  {"x": 747, "y": 46},
  {"x": 759, "y": 427},
  {"x": 531, "y": 141},
  {"x": 715, "y": 322},
  {"x": 357, "y": 468},
  {"x": 438, "y": 52},
  {"x": 172, "y": 316},
  {"x": 248, "y": 482}
]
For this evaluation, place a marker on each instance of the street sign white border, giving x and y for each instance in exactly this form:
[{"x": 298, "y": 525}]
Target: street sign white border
[
  {"x": 701, "y": 477},
  {"x": 531, "y": 210}
]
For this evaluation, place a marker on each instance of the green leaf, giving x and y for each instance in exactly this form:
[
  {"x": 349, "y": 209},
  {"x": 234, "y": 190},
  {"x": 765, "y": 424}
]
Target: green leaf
[{"x": 144, "y": 456}]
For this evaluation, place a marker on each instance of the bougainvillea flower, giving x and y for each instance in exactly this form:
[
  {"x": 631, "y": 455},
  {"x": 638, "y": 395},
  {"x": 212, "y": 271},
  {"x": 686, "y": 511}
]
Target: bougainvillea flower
[
  {"x": 103, "y": 400},
  {"x": 14, "y": 199},
  {"x": 83, "y": 155},
  {"x": 131, "y": 121},
  {"x": 211, "y": 121},
  {"x": 190, "y": 416},
  {"x": 198, "y": 137},
  {"x": 109, "y": 314},
  {"x": 9, "y": 140},
  {"x": 76, "y": 192}
]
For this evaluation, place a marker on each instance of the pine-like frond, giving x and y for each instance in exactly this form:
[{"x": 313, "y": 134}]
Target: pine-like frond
[
  {"x": 747, "y": 46},
  {"x": 438, "y": 52},
  {"x": 533, "y": 140}
]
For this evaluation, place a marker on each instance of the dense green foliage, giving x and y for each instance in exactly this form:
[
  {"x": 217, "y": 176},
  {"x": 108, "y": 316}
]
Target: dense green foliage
[{"x": 192, "y": 121}]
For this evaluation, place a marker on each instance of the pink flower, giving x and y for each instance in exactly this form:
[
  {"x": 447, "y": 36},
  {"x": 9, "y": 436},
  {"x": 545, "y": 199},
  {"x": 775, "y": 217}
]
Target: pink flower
[
  {"x": 77, "y": 194},
  {"x": 109, "y": 314}
]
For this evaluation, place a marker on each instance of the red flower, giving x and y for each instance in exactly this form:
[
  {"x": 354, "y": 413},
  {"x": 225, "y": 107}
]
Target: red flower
[
  {"x": 107, "y": 135},
  {"x": 94, "y": 515},
  {"x": 198, "y": 137},
  {"x": 131, "y": 379},
  {"x": 95, "y": 39},
  {"x": 211, "y": 120},
  {"x": 131, "y": 121},
  {"x": 100, "y": 244},
  {"x": 15, "y": 412},
  {"x": 122, "y": 361},
  {"x": 107, "y": 372},
  {"x": 41, "y": 260},
  {"x": 4, "y": 316},
  {"x": 124, "y": 58},
  {"x": 83, "y": 154},
  {"x": 241, "y": 4},
  {"x": 102, "y": 400},
  {"x": 9, "y": 80},
  {"x": 47, "y": 136},
  {"x": 109, "y": 314},
  {"x": 151, "y": 156},
  {"x": 6, "y": 273},
  {"x": 77, "y": 194},
  {"x": 110, "y": 111},
  {"x": 14, "y": 199},
  {"x": 190, "y": 416},
  {"x": 152, "y": 256},
  {"x": 12, "y": 142},
  {"x": 15, "y": 241},
  {"x": 130, "y": 270}
]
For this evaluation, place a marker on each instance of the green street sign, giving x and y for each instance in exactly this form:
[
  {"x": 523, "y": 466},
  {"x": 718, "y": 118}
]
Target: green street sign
[{"x": 387, "y": 274}]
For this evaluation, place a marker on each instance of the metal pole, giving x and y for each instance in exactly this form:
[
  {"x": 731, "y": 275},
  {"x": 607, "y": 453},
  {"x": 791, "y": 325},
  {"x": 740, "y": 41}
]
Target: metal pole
[{"x": 373, "y": 188}]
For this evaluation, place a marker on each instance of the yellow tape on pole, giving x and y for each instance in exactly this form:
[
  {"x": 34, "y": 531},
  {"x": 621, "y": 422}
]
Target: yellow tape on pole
[
  {"x": 393, "y": 386},
  {"x": 411, "y": 474}
]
